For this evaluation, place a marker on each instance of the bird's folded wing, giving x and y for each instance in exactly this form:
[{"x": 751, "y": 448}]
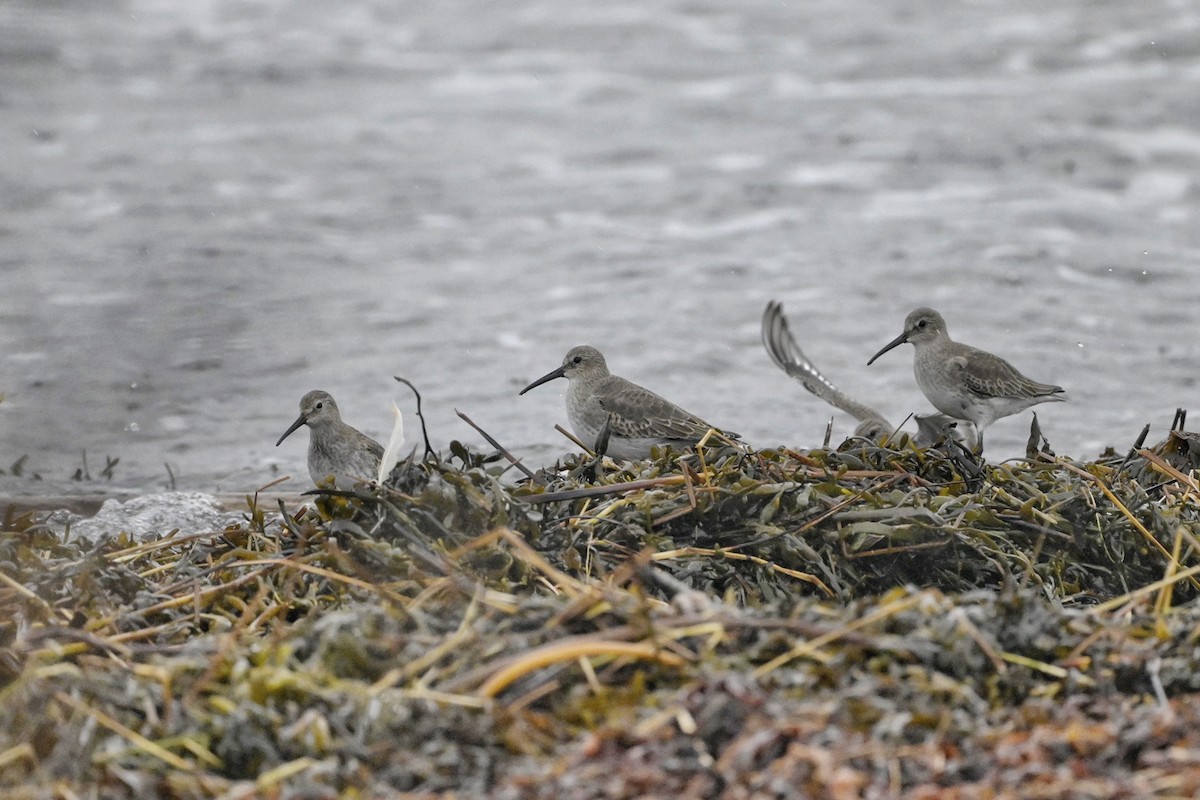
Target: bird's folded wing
[
  {"x": 365, "y": 442},
  {"x": 987, "y": 375},
  {"x": 640, "y": 413}
]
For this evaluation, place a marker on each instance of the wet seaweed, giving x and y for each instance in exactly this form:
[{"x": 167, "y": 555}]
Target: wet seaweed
[{"x": 872, "y": 620}]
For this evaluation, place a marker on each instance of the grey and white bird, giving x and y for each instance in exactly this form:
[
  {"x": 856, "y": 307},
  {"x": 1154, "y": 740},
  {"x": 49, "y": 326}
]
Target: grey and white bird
[
  {"x": 787, "y": 354},
  {"x": 965, "y": 382},
  {"x": 638, "y": 419},
  {"x": 336, "y": 450}
]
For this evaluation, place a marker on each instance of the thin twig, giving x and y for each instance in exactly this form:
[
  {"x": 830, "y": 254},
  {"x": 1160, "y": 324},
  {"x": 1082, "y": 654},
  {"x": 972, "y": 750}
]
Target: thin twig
[
  {"x": 424, "y": 433},
  {"x": 596, "y": 491},
  {"x": 569, "y": 650},
  {"x": 516, "y": 462},
  {"x": 585, "y": 448}
]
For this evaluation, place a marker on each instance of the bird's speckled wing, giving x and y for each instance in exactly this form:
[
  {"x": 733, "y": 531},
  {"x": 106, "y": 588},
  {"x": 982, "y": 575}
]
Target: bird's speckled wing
[
  {"x": 781, "y": 346},
  {"x": 369, "y": 444},
  {"x": 988, "y": 375},
  {"x": 640, "y": 413}
]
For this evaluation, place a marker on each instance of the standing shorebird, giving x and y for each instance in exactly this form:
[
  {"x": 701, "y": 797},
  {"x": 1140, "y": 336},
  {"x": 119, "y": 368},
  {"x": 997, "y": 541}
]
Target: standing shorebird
[
  {"x": 962, "y": 381},
  {"x": 335, "y": 449},
  {"x": 637, "y": 418},
  {"x": 783, "y": 349}
]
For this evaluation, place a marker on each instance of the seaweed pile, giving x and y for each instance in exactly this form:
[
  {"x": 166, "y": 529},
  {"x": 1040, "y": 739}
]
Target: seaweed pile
[{"x": 870, "y": 621}]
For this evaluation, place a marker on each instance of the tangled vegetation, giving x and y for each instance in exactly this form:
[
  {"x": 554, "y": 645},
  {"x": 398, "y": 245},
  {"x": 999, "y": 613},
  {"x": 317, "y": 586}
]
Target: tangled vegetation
[{"x": 863, "y": 622}]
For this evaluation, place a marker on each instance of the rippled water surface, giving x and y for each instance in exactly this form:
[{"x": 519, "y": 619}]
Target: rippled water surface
[{"x": 208, "y": 208}]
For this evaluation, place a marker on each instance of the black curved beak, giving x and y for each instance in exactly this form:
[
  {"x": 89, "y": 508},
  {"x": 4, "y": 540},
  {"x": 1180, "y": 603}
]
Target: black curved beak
[
  {"x": 300, "y": 420},
  {"x": 899, "y": 340},
  {"x": 549, "y": 376}
]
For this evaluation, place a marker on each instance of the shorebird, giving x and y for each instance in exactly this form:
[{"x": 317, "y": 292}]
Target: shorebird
[
  {"x": 335, "y": 449},
  {"x": 962, "y": 381},
  {"x": 781, "y": 346},
  {"x": 638, "y": 419}
]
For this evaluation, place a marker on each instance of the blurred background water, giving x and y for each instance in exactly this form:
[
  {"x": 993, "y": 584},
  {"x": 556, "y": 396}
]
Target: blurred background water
[{"x": 209, "y": 208}]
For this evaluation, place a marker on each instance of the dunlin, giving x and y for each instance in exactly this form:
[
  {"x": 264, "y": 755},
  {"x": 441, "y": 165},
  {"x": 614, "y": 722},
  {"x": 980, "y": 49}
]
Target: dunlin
[
  {"x": 783, "y": 349},
  {"x": 335, "y": 449},
  {"x": 962, "y": 381},
  {"x": 638, "y": 418}
]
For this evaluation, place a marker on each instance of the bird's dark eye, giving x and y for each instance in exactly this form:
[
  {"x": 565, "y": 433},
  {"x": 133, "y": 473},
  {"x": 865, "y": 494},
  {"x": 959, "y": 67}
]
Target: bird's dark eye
[
  {"x": 320, "y": 405},
  {"x": 577, "y": 360},
  {"x": 922, "y": 323}
]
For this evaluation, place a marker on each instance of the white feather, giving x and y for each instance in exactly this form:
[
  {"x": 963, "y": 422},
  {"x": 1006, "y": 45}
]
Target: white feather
[{"x": 391, "y": 453}]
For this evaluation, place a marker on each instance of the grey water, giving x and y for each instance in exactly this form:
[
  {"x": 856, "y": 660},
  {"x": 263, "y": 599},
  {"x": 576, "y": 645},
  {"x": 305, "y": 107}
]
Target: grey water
[{"x": 209, "y": 208}]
